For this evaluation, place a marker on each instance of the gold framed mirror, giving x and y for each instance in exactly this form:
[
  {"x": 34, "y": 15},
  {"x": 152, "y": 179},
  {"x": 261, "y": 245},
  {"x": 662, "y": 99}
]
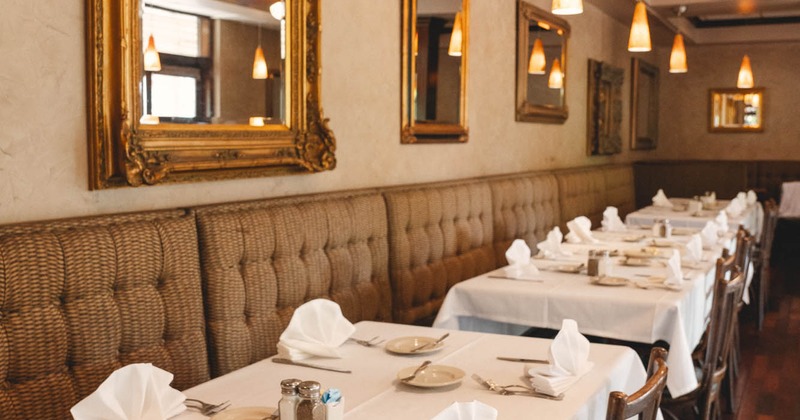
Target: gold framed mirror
[
  {"x": 604, "y": 109},
  {"x": 541, "y": 65},
  {"x": 192, "y": 90},
  {"x": 736, "y": 110},
  {"x": 435, "y": 39},
  {"x": 644, "y": 105}
]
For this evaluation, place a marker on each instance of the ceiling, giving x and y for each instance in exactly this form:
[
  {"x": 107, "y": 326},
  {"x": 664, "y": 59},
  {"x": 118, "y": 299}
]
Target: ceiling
[{"x": 714, "y": 21}]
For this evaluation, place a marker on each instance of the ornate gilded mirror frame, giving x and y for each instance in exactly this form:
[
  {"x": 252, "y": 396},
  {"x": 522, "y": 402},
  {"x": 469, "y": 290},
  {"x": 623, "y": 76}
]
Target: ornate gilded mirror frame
[
  {"x": 527, "y": 111},
  {"x": 431, "y": 131},
  {"x": 125, "y": 152},
  {"x": 736, "y": 110},
  {"x": 604, "y": 110}
]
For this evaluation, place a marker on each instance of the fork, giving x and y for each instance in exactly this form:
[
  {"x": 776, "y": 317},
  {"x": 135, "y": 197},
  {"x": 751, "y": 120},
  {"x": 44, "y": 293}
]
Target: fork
[
  {"x": 367, "y": 343},
  {"x": 205, "y": 408}
]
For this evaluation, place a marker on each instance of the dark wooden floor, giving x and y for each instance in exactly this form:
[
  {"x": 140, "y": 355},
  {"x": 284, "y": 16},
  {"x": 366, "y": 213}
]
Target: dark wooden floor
[{"x": 769, "y": 381}]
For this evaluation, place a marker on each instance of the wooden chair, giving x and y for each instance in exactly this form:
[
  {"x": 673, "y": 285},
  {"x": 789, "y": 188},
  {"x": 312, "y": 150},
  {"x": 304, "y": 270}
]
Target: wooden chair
[
  {"x": 646, "y": 400},
  {"x": 745, "y": 245},
  {"x": 703, "y": 401},
  {"x": 761, "y": 262}
]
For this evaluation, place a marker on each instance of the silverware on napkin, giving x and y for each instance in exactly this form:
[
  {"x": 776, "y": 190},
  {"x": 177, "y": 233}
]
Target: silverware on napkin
[
  {"x": 519, "y": 359},
  {"x": 308, "y": 365}
]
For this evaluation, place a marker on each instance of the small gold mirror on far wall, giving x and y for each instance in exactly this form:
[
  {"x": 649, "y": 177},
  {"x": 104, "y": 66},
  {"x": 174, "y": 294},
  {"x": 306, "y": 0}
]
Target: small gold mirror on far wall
[
  {"x": 541, "y": 65},
  {"x": 736, "y": 110},
  {"x": 242, "y": 100},
  {"x": 435, "y": 39}
]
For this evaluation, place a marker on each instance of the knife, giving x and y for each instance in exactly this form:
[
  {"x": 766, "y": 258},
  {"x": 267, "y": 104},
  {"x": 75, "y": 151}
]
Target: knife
[
  {"x": 492, "y": 276},
  {"x": 309, "y": 365},
  {"x": 517, "y": 359}
]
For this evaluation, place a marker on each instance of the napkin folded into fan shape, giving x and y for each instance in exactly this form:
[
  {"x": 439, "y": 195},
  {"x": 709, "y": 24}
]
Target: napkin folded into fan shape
[
  {"x": 611, "y": 221},
  {"x": 751, "y": 197},
  {"x": 737, "y": 205},
  {"x": 139, "y": 391},
  {"x": 551, "y": 247},
  {"x": 569, "y": 361},
  {"x": 661, "y": 200},
  {"x": 580, "y": 231},
  {"x": 722, "y": 221},
  {"x": 519, "y": 267},
  {"x": 474, "y": 410},
  {"x": 709, "y": 234},
  {"x": 317, "y": 328},
  {"x": 674, "y": 272},
  {"x": 694, "y": 248}
]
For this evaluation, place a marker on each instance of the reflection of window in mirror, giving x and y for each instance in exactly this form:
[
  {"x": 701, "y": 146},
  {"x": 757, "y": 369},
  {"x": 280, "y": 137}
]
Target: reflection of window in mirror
[
  {"x": 736, "y": 110},
  {"x": 212, "y": 70},
  {"x": 438, "y": 64}
]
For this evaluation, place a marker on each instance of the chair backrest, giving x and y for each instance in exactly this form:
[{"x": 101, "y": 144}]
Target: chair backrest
[
  {"x": 745, "y": 243},
  {"x": 646, "y": 400},
  {"x": 768, "y": 231},
  {"x": 728, "y": 289}
]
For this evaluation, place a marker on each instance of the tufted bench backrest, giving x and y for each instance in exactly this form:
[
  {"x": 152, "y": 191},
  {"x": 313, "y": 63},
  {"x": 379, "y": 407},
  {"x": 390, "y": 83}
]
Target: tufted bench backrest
[
  {"x": 582, "y": 192},
  {"x": 439, "y": 235},
  {"x": 260, "y": 260},
  {"x": 80, "y": 298},
  {"x": 619, "y": 188},
  {"x": 523, "y": 207}
]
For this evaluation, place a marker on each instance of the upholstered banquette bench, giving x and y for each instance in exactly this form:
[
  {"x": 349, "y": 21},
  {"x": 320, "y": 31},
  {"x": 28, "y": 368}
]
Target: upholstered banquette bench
[{"x": 204, "y": 291}]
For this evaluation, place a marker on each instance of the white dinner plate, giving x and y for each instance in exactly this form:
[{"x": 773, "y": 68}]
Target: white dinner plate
[
  {"x": 434, "y": 376},
  {"x": 633, "y": 238},
  {"x": 609, "y": 281},
  {"x": 405, "y": 345},
  {"x": 662, "y": 243},
  {"x": 647, "y": 252},
  {"x": 636, "y": 262},
  {"x": 568, "y": 268},
  {"x": 245, "y": 413}
]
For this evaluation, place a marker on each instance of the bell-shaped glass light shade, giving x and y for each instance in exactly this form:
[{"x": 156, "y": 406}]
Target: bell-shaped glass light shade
[
  {"x": 256, "y": 121},
  {"x": 745, "y": 74},
  {"x": 278, "y": 10},
  {"x": 260, "y": 65},
  {"x": 152, "y": 61},
  {"x": 556, "y": 80},
  {"x": 567, "y": 7},
  {"x": 639, "y": 41},
  {"x": 456, "y": 38},
  {"x": 148, "y": 119},
  {"x": 677, "y": 58},
  {"x": 537, "y": 63}
]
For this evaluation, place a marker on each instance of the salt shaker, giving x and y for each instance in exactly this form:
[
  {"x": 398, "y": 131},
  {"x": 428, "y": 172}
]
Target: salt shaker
[
  {"x": 288, "y": 403},
  {"x": 604, "y": 268},
  {"x": 665, "y": 229},
  {"x": 310, "y": 406}
]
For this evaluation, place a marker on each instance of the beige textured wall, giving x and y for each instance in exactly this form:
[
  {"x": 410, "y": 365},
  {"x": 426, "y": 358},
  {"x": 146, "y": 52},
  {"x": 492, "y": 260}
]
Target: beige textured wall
[
  {"x": 683, "y": 120},
  {"x": 43, "y": 164}
]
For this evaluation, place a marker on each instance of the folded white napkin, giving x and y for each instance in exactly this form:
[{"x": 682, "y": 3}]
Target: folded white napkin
[
  {"x": 580, "y": 231},
  {"x": 519, "y": 267},
  {"x": 317, "y": 328},
  {"x": 474, "y": 410},
  {"x": 674, "y": 272},
  {"x": 735, "y": 207},
  {"x": 551, "y": 247},
  {"x": 661, "y": 200},
  {"x": 611, "y": 221},
  {"x": 134, "y": 392},
  {"x": 752, "y": 197},
  {"x": 569, "y": 361},
  {"x": 694, "y": 248},
  {"x": 722, "y": 221},
  {"x": 709, "y": 234}
]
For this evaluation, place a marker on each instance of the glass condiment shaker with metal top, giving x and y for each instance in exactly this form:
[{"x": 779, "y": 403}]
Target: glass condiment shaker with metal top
[
  {"x": 289, "y": 399},
  {"x": 310, "y": 406}
]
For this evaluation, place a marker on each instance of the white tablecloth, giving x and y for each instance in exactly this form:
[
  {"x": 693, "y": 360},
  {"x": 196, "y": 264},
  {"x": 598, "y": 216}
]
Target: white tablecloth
[
  {"x": 751, "y": 218},
  {"x": 627, "y": 313},
  {"x": 373, "y": 392}
]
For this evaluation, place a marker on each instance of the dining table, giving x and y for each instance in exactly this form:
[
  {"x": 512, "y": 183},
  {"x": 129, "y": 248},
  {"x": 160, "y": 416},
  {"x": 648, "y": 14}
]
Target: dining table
[
  {"x": 373, "y": 391},
  {"x": 637, "y": 307},
  {"x": 680, "y": 216}
]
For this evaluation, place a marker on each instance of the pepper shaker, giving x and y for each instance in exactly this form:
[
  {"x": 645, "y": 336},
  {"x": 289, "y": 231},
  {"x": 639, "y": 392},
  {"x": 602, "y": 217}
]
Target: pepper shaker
[
  {"x": 592, "y": 264},
  {"x": 310, "y": 406}
]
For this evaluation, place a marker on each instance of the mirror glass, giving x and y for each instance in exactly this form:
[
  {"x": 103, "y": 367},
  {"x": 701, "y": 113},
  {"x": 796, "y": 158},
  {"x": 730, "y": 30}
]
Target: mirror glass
[
  {"x": 736, "y": 110},
  {"x": 434, "y": 62},
  {"x": 193, "y": 90},
  {"x": 541, "y": 65},
  {"x": 644, "y": 105},
  {"x": 213, "y": 62}
]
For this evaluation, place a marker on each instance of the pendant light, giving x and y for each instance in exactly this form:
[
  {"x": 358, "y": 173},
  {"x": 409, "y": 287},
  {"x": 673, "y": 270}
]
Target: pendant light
[
  {"x": 152, "y": 60},
  {"x": 456, "y": 38},
  {"x": 278, "y": 10},
  {"x": 556, "y": 80},
  {"x": 677, "y": 58},
  {"x": 745, "y": 74},
  {"x": 639, "y": 40},
  {"x": 259, "y": 62},
  {"x": 537, "y": 63},
  {"x": 567, "y": 7}
]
